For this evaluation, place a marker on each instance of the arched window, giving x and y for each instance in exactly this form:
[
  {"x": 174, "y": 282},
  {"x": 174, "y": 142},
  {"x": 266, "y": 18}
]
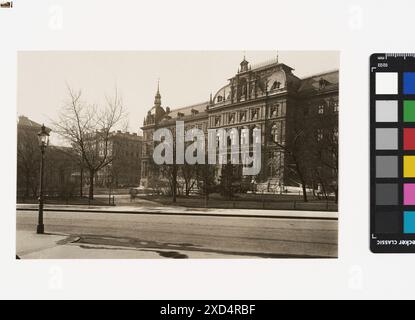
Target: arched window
[
  {"x": 258, "y": 137},
  {"x": 218, "y": 139},
  {"x": 245, "y": 136},
  {"x": 276, "y": 85},
  {"x": 233, "y": 137}
]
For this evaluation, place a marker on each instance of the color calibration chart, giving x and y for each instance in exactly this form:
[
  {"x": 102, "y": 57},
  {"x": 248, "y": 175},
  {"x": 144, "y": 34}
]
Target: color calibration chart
[{"x": 392, "y": 154}]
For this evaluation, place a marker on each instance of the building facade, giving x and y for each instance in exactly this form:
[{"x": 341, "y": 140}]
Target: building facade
[
  {"x": 125, "y": 168},
  {"x": 270, "y": 97}
]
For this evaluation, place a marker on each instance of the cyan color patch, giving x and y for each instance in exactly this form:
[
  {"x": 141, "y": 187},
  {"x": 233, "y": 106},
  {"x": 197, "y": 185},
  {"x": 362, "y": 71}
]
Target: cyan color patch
[
  {"x": 409, "y": 222},
  {"x": 409, "y": 82}
]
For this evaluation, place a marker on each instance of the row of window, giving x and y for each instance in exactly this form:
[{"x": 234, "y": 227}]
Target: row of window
[
  {"x": 322, "y": 108},
  {"x": 240, "y": 116},
  {"x": 128, "y": 144},
  {"x": 275, "y": 110},
  {"x": 128, "y": 153},
  {"x": 200, "y": 126},
  {"x": 320, "y": 134},
  {"x": 277, "y": 133},
  {"x": 244, "y": 90}
]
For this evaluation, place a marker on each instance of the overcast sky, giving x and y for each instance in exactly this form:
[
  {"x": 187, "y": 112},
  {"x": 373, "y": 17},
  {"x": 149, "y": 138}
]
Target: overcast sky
[{"x": 186, "y": 77}]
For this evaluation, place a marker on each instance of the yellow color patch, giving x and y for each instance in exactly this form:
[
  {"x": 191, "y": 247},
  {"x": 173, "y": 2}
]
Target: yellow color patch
[{"x": 409, "y": 166}]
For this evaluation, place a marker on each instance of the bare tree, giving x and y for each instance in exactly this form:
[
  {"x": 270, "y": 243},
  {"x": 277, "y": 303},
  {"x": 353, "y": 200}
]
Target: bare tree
[
  {"x": 188, "y": 173},
  {"x": 324, "y": 151},
  {"x": 327, "y": 157},
  {"x": 170, "y": 171},
  {"x": 79, "y": 163},
  {"x": 311, "y": 151},
  {"x": 88, "y": 129},
  {"x": 297, "y": 162}
]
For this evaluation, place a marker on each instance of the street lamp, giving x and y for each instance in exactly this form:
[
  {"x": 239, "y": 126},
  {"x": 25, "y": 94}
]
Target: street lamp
[{"x": 43, "y": 138}]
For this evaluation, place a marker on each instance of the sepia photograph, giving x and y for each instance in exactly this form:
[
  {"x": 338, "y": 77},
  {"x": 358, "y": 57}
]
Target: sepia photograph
[
  {"x": 177, "y": 154},
  {"x": 6, "y": 4}
]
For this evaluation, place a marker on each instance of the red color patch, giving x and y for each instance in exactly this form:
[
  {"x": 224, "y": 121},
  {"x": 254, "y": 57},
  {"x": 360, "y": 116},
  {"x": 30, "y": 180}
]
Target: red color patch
[{"x": 409, "y": 138}]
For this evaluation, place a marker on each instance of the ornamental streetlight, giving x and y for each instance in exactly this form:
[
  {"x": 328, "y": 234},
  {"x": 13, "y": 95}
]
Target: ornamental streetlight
[{"x": 43, "y": 137}]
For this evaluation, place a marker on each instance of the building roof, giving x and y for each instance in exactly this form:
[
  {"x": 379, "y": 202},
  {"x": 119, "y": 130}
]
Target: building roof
[
  {"x": 224, "y": 92},
  {"x": 268, "y": 64},
  {"x": 126, "y": 135},
  {"x": 318, "y": 83},
  {"x": 325, "y": 81},
  {"x": 30, "y": 124},
  {"x": 25, "y": 121},
  {"x": 187, "y": 111}
]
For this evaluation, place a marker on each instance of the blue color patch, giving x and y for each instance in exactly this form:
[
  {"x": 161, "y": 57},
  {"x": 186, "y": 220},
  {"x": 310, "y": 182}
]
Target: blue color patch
[
  {"x": 409, "y": 82},
  {"x": 409, "y": 222}
]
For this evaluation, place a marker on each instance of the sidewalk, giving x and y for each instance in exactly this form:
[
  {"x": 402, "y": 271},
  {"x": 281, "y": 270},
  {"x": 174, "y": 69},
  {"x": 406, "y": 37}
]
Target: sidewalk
[
  {"x": 170, "y": 210},
  {"x": 30, "y": 245},
  {"x": 29, "y": 242}
]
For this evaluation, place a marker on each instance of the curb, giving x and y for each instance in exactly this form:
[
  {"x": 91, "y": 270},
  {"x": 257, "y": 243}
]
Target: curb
[{"x": 226, "y": 215}]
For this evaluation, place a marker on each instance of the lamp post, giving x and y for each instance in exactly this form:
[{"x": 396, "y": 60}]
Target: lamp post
[
  {"x": 109, "y": 184},
  {"x": 43, "y": 137}
]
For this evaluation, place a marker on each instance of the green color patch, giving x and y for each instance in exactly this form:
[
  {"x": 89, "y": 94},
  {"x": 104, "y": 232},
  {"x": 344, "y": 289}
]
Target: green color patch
[{"x": 409, "y": 111}]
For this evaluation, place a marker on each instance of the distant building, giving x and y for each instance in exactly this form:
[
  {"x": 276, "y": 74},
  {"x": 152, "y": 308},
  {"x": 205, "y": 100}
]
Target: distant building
[
  {"x": 125, "y": 168},
  {"x": 59, "y": 164},
  {"x": 272, "y": 98},
  {"x": 28, "y": 157}
]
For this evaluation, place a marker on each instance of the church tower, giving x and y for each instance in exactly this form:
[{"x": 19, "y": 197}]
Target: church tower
[
  {"x": 157, "y": 98},
  {"x": 157, "y": 112}
]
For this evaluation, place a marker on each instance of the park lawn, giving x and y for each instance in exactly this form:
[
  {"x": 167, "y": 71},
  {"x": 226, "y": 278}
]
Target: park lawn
[{"x": 248, "y": 201}]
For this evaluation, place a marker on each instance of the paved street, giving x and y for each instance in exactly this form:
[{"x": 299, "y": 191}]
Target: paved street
[{"x": 118, "y": 235}]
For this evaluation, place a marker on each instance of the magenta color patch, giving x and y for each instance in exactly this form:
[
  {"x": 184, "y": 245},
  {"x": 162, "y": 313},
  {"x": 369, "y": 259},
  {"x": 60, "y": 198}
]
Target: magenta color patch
[{"x": 409, "y": 194}]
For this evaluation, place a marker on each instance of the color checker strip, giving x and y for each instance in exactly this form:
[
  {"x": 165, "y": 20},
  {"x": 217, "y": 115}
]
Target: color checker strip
[{"x": 392, "y": 153}]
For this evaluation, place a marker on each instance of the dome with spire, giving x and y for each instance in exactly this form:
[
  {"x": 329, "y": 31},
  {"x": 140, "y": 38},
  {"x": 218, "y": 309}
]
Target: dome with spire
[
  {"x": 157, "y": 110},
  {"x": 157, "y": 98}
]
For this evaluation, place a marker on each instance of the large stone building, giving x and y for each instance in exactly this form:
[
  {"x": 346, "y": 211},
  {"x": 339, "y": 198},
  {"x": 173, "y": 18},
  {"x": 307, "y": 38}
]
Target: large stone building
[{"x": 268, "y": 96}]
